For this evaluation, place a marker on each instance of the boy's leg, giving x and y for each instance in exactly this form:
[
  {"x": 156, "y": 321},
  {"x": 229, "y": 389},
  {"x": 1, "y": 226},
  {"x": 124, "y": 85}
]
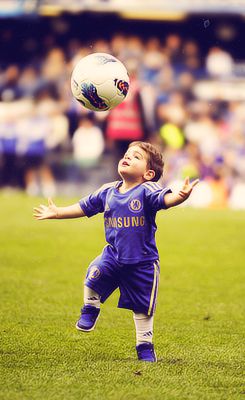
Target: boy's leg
[
  {"x": 138, "y": 288},
  {"x": 144, "y": 328},
  {"x": 144, "y": 336},
  {"x": 90, "y": 311},
  {"x": 91, "y": 297},
  {"x": 100, "y": 282}
]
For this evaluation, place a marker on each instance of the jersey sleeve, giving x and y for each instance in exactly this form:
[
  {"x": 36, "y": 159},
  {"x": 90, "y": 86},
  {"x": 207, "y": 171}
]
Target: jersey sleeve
[
  {"x": 155, "y": 195},
  {"x": 95, "y": 203}
]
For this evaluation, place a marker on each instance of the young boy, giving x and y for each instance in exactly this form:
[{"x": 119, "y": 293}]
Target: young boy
[{"x": 130, "y": 259}]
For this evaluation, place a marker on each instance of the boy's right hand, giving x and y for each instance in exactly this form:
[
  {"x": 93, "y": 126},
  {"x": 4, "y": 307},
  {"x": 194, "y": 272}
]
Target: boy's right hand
[{"x": 46, "y": 212}]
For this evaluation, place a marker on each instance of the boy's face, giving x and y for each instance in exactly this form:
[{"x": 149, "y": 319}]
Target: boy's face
[{"x": 134, "y": 165}]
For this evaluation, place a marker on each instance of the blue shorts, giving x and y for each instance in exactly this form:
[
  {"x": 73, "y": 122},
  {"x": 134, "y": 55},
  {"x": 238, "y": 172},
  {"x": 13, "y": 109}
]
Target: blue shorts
[{"x": 138, "y": 283}]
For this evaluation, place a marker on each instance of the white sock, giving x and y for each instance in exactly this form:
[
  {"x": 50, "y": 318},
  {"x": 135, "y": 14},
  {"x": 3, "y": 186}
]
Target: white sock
[
  {"x": 91, "y": 297},
  {"x": 144, "y": 328}
]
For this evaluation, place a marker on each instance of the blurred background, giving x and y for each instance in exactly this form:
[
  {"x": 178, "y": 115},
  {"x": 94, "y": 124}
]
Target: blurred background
[{"x": 186, "y": 63}]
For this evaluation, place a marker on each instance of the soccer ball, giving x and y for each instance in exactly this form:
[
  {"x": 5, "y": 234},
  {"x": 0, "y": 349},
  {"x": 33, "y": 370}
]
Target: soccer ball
[{"x": 99, "y": 82}]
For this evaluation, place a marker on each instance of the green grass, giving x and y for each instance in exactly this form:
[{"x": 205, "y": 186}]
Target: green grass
[{"x": 199, "y": 323}]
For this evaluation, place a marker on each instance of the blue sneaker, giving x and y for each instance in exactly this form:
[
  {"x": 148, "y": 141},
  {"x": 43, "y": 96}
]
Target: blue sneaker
[
  {"x": 88, "y": 319},
  {"x": 146, "y": 352}
]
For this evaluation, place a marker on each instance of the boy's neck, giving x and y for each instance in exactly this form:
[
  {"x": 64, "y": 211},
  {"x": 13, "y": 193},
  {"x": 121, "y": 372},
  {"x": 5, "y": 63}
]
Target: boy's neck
[{"x": 127, "y": 185}]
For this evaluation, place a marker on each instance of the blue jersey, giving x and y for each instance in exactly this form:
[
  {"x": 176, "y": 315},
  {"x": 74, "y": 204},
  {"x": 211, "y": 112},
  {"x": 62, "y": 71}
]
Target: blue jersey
[{"x": 129, "y": 219}]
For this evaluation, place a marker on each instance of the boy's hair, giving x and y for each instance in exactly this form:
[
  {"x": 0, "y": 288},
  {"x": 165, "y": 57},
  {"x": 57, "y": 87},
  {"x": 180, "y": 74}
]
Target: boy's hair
[{"x": 155, "y": 159}]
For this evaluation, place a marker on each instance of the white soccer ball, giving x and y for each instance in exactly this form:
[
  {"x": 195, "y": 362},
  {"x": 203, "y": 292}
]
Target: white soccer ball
[{"x": 99, "y": 82}]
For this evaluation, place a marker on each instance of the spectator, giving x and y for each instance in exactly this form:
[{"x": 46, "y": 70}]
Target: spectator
[
  {"x": 88, "y": 142},
  {"x": 9, "y": 89},
  {"x": 126, "y": 122},
  {"x": 219, "y": 63},
  {"x": 8, "y": 146}
]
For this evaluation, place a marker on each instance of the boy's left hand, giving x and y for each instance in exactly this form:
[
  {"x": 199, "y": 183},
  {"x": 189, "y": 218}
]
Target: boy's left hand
[{"x": 187, "y": 188}]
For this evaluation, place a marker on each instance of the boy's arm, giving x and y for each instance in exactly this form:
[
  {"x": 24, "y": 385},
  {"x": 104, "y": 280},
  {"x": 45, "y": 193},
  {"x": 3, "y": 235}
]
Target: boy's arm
[
  {"x": 173, "y": 199},
  {"x": 53, "y": 212}
]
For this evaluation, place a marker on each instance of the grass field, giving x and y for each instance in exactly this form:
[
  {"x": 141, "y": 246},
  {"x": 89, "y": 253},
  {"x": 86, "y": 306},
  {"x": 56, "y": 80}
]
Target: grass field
[{"x": 199, "y": 324}]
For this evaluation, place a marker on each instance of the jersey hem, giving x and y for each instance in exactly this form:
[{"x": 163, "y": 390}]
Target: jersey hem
[{"x": 137, "y": 261}]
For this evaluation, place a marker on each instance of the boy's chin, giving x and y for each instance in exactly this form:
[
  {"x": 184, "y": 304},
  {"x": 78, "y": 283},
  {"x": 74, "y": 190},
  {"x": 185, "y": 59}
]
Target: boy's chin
[{"x": 123, "y": 174}]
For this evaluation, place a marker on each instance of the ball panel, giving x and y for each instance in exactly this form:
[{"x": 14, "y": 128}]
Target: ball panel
[
  {"x": 122, "y": 87},
  {"x": 89, "y": 91},
  {"x": 107, "y": 89},
  {"x": 115, "y": 101}
]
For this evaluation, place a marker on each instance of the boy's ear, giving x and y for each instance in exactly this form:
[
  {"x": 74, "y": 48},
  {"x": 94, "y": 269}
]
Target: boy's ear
[{"x": 149, "y": 175}]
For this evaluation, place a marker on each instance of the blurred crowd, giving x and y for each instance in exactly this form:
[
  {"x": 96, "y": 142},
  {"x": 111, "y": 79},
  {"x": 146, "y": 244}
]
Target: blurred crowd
[{"x": 44, "y": 130}]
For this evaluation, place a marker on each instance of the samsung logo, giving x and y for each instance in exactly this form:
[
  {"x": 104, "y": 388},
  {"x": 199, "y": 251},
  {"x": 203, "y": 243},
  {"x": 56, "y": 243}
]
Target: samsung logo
[{"x": 124, "y": 222}]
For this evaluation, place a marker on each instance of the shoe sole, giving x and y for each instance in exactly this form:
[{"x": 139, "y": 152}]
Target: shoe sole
[{"x": 87, "y": 330}]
